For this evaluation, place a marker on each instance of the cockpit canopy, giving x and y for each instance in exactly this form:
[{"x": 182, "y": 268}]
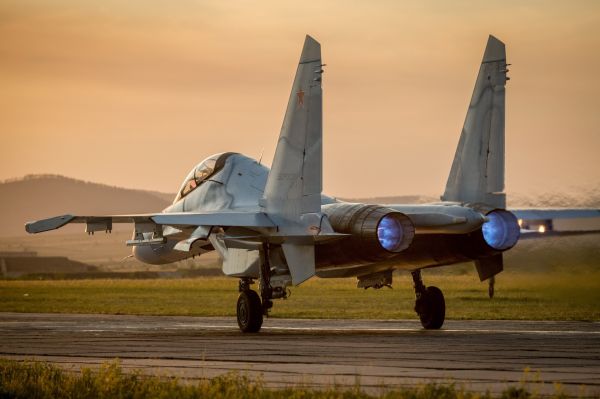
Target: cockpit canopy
[{"x": 203, "y": 171}]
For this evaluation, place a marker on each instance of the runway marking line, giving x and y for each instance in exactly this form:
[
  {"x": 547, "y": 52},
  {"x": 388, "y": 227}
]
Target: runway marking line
[{"x": 359, "y": 329}]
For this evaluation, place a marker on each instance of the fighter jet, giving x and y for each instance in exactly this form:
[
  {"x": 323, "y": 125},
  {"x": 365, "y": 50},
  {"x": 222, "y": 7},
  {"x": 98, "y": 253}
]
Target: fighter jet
[{"x": 276, "y": 228}]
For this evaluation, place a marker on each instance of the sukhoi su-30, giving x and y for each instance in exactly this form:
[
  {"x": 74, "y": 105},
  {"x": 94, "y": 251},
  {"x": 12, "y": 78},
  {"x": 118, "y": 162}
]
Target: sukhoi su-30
[{"x": 274, "y": 228}]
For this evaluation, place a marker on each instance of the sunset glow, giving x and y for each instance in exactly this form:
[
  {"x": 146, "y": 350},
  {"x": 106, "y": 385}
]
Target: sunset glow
[{"x": 136, "y": 93}]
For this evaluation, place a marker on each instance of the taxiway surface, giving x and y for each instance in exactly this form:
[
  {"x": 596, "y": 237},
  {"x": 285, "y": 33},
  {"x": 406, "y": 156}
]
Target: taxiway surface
[{"x": 481, "y": 355}]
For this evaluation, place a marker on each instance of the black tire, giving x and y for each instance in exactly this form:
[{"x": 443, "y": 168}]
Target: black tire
[
  {"x": 432, "y": 309},
  {"x": 249, "y": 312}
]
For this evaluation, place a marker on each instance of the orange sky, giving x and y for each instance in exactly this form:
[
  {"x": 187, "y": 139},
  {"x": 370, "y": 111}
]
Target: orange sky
[{"x": 135, "y": 93}]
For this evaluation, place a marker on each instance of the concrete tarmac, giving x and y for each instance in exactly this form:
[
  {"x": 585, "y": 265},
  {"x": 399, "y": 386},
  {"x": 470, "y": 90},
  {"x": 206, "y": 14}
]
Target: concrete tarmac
[{"x": 378, "y": 354}]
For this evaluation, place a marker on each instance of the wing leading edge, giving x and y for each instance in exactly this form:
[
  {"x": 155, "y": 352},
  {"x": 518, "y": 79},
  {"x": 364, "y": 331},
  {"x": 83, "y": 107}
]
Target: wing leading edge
[{"x": 104, "y": 223}]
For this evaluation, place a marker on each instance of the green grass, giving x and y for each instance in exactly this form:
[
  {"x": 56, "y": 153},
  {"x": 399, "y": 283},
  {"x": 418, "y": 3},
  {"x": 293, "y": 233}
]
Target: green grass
[
  {"x": 43, "y": 380},
  {"x": 530, "y": 296}
]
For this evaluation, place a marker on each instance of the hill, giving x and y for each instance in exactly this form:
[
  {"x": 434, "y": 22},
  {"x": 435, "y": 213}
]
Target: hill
[{"x": 39, "y": 196}]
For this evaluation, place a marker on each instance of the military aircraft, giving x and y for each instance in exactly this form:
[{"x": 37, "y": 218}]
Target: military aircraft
[{"x": 277, "y": 228}]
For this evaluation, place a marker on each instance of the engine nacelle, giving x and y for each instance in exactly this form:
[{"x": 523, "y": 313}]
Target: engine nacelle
[
  {"x": 500, "y": 232},
  {"x": 377, "y": 233}
]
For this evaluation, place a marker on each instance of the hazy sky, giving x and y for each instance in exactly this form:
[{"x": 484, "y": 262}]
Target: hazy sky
[{"x": 134, "y": 93}]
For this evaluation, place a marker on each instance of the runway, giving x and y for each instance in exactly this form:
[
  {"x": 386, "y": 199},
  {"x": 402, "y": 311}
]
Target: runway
[{"x": 481, "y": 355}]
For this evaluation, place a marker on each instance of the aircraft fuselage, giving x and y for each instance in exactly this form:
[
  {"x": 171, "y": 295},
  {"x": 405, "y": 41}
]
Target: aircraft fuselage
[{"x": 453, "y": 236}]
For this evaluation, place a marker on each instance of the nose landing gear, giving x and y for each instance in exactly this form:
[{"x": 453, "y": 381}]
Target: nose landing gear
[{"x": 430, "y": 304}]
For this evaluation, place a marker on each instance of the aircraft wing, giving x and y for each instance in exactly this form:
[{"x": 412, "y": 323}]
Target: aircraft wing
[
  {"x": 104, "y": 223},
  {"x": 556, "y": 213},
  {"x": 557, "y": 221}
]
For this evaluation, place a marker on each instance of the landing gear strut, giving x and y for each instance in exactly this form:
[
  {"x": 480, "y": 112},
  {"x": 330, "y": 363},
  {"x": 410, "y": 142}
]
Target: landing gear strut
[
  {"x": 266, "y": 291},
  {"x": 430, "y": 304},
  {"x": 250, "y": 307}
]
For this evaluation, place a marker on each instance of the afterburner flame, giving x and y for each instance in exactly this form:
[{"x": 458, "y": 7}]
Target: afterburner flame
[
  {"x": 389, "y": 233},
  {"x": 501, "y": 231}
]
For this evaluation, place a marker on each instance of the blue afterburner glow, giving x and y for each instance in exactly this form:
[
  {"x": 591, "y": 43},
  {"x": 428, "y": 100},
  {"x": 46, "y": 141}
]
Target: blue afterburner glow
[
  {"x": 501, "y": 231},
  {"x": 389, "y": 233}
]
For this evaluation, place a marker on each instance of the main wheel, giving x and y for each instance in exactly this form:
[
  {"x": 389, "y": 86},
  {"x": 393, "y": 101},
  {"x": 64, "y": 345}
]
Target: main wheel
[
  {"x": 431, "y": 308},
  {"x": 249, "y": 312}
]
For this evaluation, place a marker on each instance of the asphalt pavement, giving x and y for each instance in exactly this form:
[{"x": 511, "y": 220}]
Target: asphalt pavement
[{"x": 377, "y": 354}]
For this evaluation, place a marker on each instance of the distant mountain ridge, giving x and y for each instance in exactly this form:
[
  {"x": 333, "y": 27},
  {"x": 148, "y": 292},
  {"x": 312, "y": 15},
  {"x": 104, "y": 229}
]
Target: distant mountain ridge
[
  {"x": 163, "y": 196},
  {"x": 39, "y": 196},
  {"x": 36, "y": 197}
]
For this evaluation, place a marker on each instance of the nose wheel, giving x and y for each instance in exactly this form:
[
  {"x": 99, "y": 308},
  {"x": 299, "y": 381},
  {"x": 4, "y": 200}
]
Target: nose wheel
[{"x": 430, "y": 304}]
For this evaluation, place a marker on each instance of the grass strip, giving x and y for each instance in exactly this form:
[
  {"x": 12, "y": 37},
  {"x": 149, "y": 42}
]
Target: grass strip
[
  {"x": 44, "y": 380},
  {"x": 519, "y": 296}
]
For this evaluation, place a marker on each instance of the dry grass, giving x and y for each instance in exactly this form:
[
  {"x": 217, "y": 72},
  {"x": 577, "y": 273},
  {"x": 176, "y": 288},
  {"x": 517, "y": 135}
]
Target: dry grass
[{"x": 43, "y": 380}]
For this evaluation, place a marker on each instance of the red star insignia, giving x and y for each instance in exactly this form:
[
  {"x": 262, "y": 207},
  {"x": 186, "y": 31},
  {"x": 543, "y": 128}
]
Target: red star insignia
[{"x": 300, "y": 95}]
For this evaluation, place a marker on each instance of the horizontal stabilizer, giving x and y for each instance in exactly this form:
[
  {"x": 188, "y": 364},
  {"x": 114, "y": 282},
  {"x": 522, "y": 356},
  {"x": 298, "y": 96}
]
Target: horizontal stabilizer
[
  {"x": 556, "y": 213},
  {"x": 537, "y": 223},
  {"x": 536, "y": 234}
]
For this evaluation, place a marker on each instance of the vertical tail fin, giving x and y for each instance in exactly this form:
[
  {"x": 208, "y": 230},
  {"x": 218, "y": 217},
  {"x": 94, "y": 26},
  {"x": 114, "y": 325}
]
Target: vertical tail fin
[
  {"x": 477, "y": 174},
  {"x": 294, "y": 184}
]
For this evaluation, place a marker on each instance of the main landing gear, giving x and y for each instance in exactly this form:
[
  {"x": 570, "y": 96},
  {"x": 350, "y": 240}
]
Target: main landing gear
[
  {"x": 430, "y": 304},
  {"x": 250, "y": 307}
]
